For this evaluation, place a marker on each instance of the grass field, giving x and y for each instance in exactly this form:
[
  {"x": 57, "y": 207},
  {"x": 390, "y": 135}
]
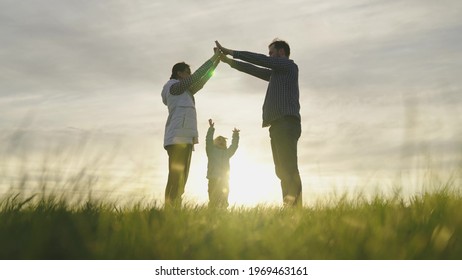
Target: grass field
[{"x": 425, "y": 226}]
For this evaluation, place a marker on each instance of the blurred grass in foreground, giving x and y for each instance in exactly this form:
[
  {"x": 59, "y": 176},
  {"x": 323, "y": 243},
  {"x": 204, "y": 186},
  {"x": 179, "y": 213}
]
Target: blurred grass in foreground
[{"x": 424, "y": 226}]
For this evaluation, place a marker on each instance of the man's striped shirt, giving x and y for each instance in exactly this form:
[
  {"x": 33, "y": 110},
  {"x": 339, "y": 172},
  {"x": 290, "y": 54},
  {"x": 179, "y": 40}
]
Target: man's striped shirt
[{"x": 282, "y": 95}]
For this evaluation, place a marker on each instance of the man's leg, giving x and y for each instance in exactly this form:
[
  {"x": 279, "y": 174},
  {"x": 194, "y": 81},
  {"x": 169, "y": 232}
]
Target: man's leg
[
  {"x": 284, "y": 139},
  {"x": 179, "y": 159}
]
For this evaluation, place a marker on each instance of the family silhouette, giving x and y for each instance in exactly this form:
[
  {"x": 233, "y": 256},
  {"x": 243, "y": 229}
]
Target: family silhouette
[{"x": 281, "y": 113}]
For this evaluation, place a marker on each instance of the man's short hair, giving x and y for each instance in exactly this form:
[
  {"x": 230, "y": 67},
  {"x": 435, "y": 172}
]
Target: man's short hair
[{"x": 280, "y": 44}]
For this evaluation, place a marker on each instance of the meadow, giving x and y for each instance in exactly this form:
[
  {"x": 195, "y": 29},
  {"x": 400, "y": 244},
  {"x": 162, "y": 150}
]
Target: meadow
[{"x": 427, "y": 225}]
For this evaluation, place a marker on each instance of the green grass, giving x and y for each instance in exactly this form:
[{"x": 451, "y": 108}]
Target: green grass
[{"x": 426, "y": 226}]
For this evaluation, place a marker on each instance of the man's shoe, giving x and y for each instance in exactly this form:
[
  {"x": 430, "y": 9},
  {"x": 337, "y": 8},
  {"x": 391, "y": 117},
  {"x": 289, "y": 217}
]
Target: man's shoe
[{"x": 289, "y": 200}]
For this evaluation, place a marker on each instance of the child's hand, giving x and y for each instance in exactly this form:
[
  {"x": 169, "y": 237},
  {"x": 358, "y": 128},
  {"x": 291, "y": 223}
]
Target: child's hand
[
  {"x": 235, "y": 130},
  {"x": 211, "y": 123}
]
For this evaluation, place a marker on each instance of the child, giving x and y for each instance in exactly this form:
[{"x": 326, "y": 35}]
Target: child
[{"x": 218, "y": 166}]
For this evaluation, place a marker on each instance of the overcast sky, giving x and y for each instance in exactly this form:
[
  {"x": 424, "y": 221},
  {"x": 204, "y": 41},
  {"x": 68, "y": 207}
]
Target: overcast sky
[{"x": 380, "y": 85}]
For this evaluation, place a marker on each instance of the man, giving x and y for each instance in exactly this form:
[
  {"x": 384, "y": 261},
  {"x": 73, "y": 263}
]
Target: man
[{"x": 281, "y": 109}]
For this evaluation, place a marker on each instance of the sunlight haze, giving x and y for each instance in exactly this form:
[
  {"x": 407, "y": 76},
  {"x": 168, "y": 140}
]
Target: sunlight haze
[{"x": 81, "y": 81}]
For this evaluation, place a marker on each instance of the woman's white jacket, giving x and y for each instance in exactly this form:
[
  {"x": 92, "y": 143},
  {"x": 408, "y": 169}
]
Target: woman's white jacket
[{"x": 181, "y": 126}]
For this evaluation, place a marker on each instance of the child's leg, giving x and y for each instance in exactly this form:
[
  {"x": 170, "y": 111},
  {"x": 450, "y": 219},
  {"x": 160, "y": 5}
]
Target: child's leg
[
  {"x": 218, "y": 192},
  {"x": 224, "y": 193},
  {"x": 213, "y": 193}
]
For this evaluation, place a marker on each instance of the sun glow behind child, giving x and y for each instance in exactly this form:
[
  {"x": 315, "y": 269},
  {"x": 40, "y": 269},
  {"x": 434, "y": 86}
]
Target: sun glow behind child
[{"x": 252, "y": 181}]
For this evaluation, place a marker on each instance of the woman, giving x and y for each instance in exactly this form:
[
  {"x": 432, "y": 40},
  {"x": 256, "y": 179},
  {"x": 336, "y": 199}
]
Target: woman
[{"x": 181, "y": 127}]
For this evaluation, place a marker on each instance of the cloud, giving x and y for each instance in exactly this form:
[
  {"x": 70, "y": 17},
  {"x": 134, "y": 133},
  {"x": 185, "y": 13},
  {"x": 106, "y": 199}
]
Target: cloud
[{"x": 377, "y": 77}]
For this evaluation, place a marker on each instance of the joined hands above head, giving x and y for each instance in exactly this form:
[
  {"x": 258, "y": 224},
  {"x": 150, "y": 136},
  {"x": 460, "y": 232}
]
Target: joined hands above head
[
  {"x": 219, "y": 55},
  {"x": 224, "y": 50},
  {"x": 216, "y": 54}
]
